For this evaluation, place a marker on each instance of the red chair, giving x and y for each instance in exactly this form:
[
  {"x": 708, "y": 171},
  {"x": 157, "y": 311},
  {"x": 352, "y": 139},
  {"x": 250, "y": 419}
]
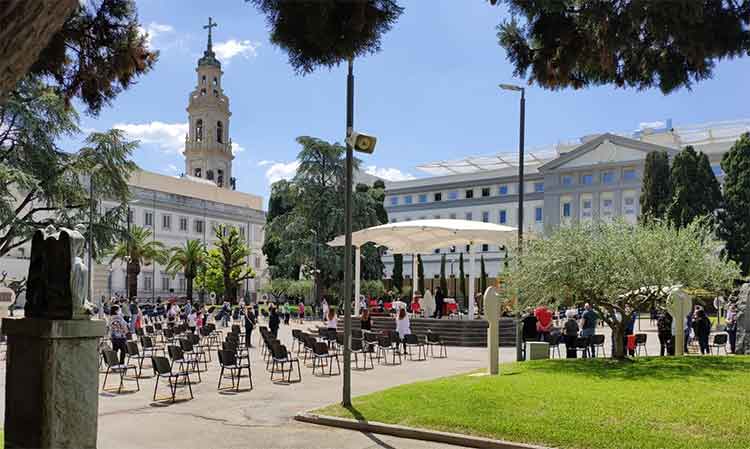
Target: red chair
[
  {"x": 387, "y": 306},
  {"x": 452, "y": 308},
  {"x": 416, "y": 308}
]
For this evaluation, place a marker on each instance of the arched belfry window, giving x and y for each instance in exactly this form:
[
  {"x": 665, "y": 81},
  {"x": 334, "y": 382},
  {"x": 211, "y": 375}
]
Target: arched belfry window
[
  {"x": 199, "y": 130},
  {"x": 219, "y": 132},
  {"x": 203, "y": 80},
  {"x": 216, "y": 81},
  {"x": 210, "y": 175},
  {"x": 197, "y": 172}
]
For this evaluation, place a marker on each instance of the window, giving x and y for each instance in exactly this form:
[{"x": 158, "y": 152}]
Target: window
[
  {"x": 242, "y": 231},
  {"x": 407, "y": 199},
  {"x": 587, "y": 204},
  {"x": 469, "y": 216},
  {"x": 608, "y": 177},
  {"x": 422, "y": 198},
  {"x": 469, "y": 194},
  {"x": 485, "y": 217},
  {"x": 210, "y": 175},
  {"x": 394, "y": 201},
  {"x": 607, "y": 207},
  {"x": 503, "y": 190},
  {"x": 629, "y": 205},
  {"x": 452, "y": 216},
  {"x": 538, "y": 214},
  {"x": 607, "y": 203},
  {"x": 148, "y": 219},
  {"x": 503, "y": 217},
  {"x": 716, "y": 168},
  {"x": 219, "y": 131},
  {"x": 199, "y": 225},
  {"x": 566, "y": 210},
  {"x": 183, "y": 283},
  {"x": 203, "y": 79},
  {"x": 438, "y": 197},
  {"x": 216, "y": 81},
  {"x": 629, "y": 174},
  {"x": 586, "y": 208},
  {"x": 199, "y": 130},
  {"x": 220, "y": 177},
  {"x": 436, "y": 250},
  {"x": 485, "y": 191},
  {"x": 453, "y": 195},
  {"x": 197, "y": 173},
  {"x": 538, "y": 187},
  {"x": 183, "y": 224},
  {"x": 566, "y": 180},
  {"x": 485, "y": 247},
  {"x": 394, "y": 220},
  {"x": 587, "y": 179},
  {"x": 166, "y": 222},
  {"x": 148, "y": 282},
  {"x": 165, "y": 283}
]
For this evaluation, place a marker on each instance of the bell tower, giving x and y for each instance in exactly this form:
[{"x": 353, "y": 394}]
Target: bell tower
[{"x": 208, "y": 148}]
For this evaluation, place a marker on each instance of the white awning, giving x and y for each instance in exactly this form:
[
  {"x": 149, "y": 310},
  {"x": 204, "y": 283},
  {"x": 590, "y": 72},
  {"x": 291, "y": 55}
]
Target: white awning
[{"x": 422, "y": 236}]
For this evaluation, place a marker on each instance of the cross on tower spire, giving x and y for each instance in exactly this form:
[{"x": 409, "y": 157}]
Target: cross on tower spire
[{"x": 211, "y": 24}]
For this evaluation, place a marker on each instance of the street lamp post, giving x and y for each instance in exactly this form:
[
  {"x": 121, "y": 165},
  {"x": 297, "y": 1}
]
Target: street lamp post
[
  {"x": 347, "y": 388},
  {"x": 91, "y": 240},
  {"x": 521, "y": 135}
]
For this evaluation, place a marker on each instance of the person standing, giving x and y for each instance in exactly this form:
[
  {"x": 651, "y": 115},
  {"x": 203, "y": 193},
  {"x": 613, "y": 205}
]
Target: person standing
[
  {"x": 226, "y": 314},
  {"x": 702, "y": 328},
  {"x": 331, "y": 320},
  {"x": 324, "y": 305},
  {"x": 664, "y": 329},
  {"x": 301, "y": 312},
  {"x": 192, "y": 321},
  {"x": 273, "y": 321},
  {"x": 439, "y": 301},
  {"x": 732, "y": 327},
  {"x": 570, "y": 332},
  {"x": 249, "y": 319},
  {"x": 365, "y": 322},
  {"x": 588, "y": 329},
  {"x": 403, "y": 326},
  {"x": 118, "y": 329},
  {"x": 544, "y": 322}
]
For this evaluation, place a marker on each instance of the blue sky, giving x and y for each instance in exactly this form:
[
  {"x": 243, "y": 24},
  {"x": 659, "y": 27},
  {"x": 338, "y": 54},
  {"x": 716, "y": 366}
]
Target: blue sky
[{"x": 430, "y": 94}]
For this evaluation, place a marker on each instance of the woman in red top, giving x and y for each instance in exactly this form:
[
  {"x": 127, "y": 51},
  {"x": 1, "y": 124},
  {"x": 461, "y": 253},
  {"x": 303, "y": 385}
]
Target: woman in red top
[{"x": 543, "y": 322}]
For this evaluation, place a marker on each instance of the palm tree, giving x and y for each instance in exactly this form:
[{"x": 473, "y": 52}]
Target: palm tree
[
  {"x": 233, "y": 253},
  {"x": 187, "y": 258},
  {"x": 138, "y": 248}
]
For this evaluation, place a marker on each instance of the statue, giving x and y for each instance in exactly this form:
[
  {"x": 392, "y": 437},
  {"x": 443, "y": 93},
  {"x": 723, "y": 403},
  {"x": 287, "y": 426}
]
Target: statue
[
  {"x": 427, "y": 303},
  {"x": 57, "y": 286}
]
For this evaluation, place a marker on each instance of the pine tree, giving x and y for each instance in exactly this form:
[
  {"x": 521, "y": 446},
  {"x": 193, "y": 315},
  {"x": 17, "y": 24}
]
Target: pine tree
[
  {"x": 420, "y": 274},
  {"x": 443, "y": 280},
  {"x": 734, "y": 219},
  {"x": 655, "y": 192},
  {"x": 462, "y": 279},
  {"x": 695, "y": 190},
  {"x": 398, "y": 272}
]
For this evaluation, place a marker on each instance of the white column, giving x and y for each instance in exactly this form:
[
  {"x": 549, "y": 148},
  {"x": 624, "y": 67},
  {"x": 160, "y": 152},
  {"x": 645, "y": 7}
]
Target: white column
[
  {"x": 472, "y": 259},
  {"x": 413, "y": 277},
  {"x": 357, "y": 279}
]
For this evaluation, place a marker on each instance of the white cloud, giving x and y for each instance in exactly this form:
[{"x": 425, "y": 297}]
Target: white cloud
[
  {"x": 277, "y": 171},
  {"x": 651, "y": 125},
  {"x": 389, "y": 174},
  {"x": 233, "y": 47},
  {"x": 237, "y": 148},
  {"x": 173, "y": 168},
  {"x": 170, "y": 137},
  {"x": 153, "y": 30}
]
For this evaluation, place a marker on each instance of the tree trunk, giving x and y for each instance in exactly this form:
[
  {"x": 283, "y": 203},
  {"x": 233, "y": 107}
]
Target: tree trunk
[
  {"x": 618, "y": 347},
  {"x": 26, "y": 28},
  {"x": 189, "y": 290},
  {"x": 133, "y": 269}
]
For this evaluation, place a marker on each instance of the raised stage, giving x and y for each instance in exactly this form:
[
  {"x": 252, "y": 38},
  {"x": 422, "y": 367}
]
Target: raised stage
[{"x": 453, "y": 332}]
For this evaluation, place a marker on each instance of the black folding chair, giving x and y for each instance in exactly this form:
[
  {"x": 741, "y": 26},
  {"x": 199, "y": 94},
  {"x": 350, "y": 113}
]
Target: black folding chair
[
  {"x": 719, "y": 342},
  {"x": 133, "y": 353},
  {"x": 385, "y": 345},
  {"x": 228, "y": 361},
  {"x": 184, "y": 364},
  {"x": 412, "y": 341},
  {"x": 433, "y": 340},
  {"x": 322, "y": 358},
  {"x": 280, "y": 357},
  {"x": 640, "y": 343},
  {"x": 114, "y": 366},
  {"x": 164, "y": 370},
  {"x": 358, "y": 349}
]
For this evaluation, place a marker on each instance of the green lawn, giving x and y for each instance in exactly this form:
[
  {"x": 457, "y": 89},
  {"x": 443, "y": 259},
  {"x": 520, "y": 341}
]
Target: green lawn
[{"x": 686, "y": 402}]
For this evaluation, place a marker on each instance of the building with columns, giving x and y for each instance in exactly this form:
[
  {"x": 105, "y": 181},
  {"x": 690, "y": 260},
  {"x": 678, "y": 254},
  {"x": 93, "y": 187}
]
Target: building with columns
[
  {"x": 177, "y": 209},
  {"x": 596, "y": 177}
]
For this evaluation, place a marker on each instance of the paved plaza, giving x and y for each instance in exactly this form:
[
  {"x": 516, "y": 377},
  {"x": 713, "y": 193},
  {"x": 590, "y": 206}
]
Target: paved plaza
[{"x": 263, "y": 417}]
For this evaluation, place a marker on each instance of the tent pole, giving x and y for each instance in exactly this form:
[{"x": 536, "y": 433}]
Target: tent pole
[
  {"x": 471, "y": 281},
  {"x": 357, "y": 278}
]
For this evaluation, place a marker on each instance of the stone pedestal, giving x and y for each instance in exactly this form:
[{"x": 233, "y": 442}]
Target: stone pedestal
[
  {"x": 52, "y": 383},
  {"x": 491, "y": 303}
]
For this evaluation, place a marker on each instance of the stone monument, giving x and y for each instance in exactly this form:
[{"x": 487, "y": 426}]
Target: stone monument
[
  {"x": 51, "y": 393},
  {"x": 491, "y": 313},
  {"x": 743, "y": 320},
  {"x": 680, "y": 304}
]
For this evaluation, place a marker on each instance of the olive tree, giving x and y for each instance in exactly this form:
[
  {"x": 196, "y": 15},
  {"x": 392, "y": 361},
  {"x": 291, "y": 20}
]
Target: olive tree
[{"x": 618, "y": 268}]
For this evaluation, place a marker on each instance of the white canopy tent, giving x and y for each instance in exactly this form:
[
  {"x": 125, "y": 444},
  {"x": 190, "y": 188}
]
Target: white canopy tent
[{"x": 423, "y": 236}]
